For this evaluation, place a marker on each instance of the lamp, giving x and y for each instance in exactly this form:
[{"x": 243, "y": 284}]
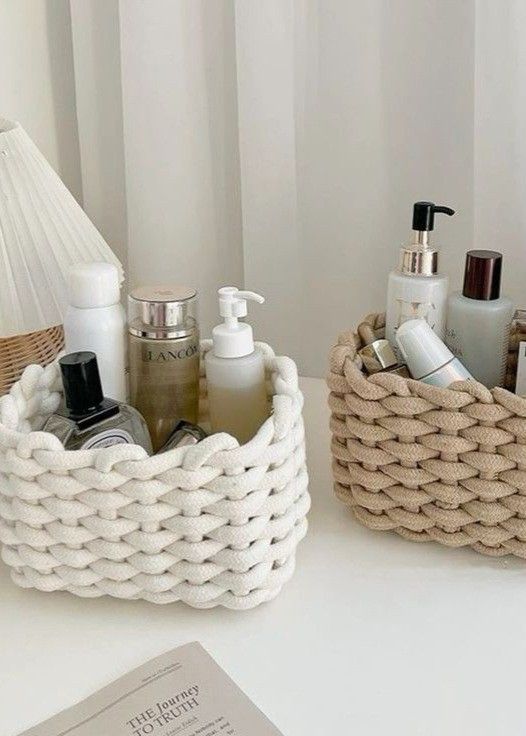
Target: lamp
[{"x": 43, "y": 231}]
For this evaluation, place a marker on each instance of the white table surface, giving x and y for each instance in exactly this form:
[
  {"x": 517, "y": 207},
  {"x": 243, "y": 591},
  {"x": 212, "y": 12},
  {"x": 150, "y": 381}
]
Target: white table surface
[{"x": 373, "y": 635}]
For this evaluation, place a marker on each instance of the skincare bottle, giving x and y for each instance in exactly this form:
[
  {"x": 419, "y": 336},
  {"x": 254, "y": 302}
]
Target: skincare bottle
[
  {"x": 184, "y": 434},
  {"x": 378, "y": 355},
  {"x": 164, "y": 357},
  {"x": 416, "y": 289},
  {"x": 516, "y": 362},
  {"x": 479, "y": 318},
  {"x": 88, "y": 420},
  {"x": 427, "y": 358},
  {"x": 95, "y": 321},
  {"x": 235, "y": 371}
]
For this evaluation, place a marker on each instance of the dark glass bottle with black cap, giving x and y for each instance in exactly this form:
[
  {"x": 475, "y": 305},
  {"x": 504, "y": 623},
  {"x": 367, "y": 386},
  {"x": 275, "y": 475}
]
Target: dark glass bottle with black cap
[
  {"x": 479, "y": 319},
  {"x": 416, "y": 289},
  {"x": 86, "y": 419}
]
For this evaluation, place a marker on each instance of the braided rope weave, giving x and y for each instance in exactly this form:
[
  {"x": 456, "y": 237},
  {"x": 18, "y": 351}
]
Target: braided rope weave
[
  {"x": 211, "y": 524},
  {"x": 432, "y": 464}
]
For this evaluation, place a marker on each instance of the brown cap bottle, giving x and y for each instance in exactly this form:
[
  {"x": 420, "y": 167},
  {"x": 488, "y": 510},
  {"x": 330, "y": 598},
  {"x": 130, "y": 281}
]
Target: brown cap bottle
[{"x": 482, "y": 275}]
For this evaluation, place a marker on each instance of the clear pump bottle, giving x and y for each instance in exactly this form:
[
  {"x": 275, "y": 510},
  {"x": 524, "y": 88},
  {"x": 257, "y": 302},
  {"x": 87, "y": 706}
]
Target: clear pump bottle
[
  {"x": 415, "y": 289},
  {"x": 235, "y": 370}
]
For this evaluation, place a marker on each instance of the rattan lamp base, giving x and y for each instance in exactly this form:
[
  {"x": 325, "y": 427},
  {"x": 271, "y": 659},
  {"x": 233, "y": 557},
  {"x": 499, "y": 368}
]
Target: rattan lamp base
[{"x": 21, "y": 350}]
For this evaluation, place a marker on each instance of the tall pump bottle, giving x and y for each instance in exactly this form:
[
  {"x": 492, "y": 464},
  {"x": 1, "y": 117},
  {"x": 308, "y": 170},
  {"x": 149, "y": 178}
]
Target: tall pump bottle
[
  {"x": 415, "y": 289},
  {"x": 235, "y": 370}
]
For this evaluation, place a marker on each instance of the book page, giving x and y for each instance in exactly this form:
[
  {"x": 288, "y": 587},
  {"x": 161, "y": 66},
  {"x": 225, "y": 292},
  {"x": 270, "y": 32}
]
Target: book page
[{"x": 183, "y": 692}]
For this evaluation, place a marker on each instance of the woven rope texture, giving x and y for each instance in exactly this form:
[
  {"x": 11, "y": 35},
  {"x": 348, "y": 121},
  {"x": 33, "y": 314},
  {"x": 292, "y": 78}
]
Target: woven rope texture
[
  {"x": 432, "y": 464},
  {"x": 210, "y": 524}
]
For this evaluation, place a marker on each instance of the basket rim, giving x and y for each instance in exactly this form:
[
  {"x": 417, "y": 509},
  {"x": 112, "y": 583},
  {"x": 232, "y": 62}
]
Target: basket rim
[
  {"x": 344, "y": 357},
  {"x": 218, "y": 449}
]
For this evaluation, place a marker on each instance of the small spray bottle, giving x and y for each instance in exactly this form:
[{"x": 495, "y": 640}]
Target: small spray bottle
[{"x": 235, "y": 370}]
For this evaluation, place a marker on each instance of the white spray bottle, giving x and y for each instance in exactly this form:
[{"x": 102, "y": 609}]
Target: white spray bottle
[{"x": 235, "y": 370}]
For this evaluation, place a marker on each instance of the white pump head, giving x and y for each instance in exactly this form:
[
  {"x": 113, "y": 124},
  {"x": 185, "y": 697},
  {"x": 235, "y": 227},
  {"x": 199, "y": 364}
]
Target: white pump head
[{"x": 233, "y": 339}]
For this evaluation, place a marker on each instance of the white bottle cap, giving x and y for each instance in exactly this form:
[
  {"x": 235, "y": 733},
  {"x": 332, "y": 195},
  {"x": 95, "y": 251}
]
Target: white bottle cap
[
  {"x": 93, "y": 285},
  {"x": 233, "y": 339},
  {"x": 423, "y": 350}
]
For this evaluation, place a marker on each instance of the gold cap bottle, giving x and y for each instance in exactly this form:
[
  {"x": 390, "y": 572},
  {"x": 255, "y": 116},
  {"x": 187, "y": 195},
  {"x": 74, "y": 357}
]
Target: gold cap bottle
[{"x": 378, "y": 355}]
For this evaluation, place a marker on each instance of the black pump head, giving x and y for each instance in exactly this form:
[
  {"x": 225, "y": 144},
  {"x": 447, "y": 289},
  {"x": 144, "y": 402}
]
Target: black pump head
[{"x": 424, "y": 214}]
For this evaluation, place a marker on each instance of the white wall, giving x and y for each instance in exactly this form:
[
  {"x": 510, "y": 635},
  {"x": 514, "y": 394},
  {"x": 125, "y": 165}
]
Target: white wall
[
  {"x": 500, "y": 138},
  {"x": 37, "y": 80},
  {"x": 349, "y": 112},
  {"x": 96, "y": 45},
  {"x": 281, "y": 144},
  {"x": 181, "y": 146}
]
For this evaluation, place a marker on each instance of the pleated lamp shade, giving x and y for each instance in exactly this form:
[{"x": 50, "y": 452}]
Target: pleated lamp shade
[{"x": 43, "y": 230}]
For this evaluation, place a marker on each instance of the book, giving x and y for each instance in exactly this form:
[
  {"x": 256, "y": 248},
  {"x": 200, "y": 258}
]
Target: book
[{"x": 183, "y": 692}]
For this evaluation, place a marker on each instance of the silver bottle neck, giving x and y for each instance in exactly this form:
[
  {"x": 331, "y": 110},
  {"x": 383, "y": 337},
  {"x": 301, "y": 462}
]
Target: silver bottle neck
[{"x": 418, "y": 258}]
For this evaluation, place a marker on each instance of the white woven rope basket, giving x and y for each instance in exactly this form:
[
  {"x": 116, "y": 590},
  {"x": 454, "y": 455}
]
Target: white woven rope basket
[{"x": 210, "y": 524}]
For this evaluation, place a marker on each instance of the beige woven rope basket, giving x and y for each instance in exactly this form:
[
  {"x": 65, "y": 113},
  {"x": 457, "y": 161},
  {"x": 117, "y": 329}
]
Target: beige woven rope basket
[
  {"x": 432, "y": 464},
  {"x": 20, "y": 351},
  {"x": 211, "y": 524}
]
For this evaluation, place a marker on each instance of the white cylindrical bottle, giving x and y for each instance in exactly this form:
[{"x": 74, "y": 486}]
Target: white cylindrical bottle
[
  {"x": 427, "y": 357},
  {"x": 95, "y": 321},
  {"x": 478, "y": 319},
  {"x": 415, "y": 289},
  {"x": 235, "y": 371}
]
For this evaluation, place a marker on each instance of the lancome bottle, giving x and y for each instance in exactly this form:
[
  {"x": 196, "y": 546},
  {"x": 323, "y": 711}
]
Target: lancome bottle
[
  {"x": 235, "y": 370},
  {"x": 95, "y": 321},
  {"x": 429, "y": 360},
  {"x": 415, "y": 289},
  {"x": 87, "y": 419},
  {"x": 479, "y": 318},
  {"x": 164, "y": 357}
]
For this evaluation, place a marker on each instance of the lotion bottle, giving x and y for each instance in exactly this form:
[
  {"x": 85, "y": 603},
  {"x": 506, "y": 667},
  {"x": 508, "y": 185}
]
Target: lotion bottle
[
  {"x": 479, "y": 319},
  {"x": 95, "y": 321},
  {"x": 235, "y": 370},
  {"x": 415, "y": 289}
]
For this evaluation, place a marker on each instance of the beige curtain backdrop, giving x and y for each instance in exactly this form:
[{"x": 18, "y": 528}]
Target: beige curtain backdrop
[{"x": 279, "y": 145}]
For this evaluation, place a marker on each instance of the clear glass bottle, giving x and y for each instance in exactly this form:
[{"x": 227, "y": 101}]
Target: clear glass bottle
[
  {"x": 86, "y": 419},
  {"x": 164, "y": 357},
  {"x": 416, "y": 290},
  {"x": 479, "y": 319}
]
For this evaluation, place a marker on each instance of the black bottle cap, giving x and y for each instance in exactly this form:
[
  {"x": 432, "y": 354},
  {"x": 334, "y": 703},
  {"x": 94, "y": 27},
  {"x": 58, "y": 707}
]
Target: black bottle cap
[
  {"x": 482, "y": 274},
  {"x": 82, "y": 386},
  {"x": 424, "y": 214}
]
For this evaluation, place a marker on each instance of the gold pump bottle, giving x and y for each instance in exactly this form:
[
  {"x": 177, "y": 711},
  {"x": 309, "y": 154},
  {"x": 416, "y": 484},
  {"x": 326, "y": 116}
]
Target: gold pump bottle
[{"x": 164, "y": 357}]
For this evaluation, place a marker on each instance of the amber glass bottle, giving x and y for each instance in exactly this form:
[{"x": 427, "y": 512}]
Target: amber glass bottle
[{"x": 164, "y": 357}]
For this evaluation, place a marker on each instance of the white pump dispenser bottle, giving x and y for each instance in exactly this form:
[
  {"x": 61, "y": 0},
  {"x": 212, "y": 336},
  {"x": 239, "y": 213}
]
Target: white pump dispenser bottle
[
  {"x": 235, "y": 370},
  {"x": 416, "y": 290}
]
